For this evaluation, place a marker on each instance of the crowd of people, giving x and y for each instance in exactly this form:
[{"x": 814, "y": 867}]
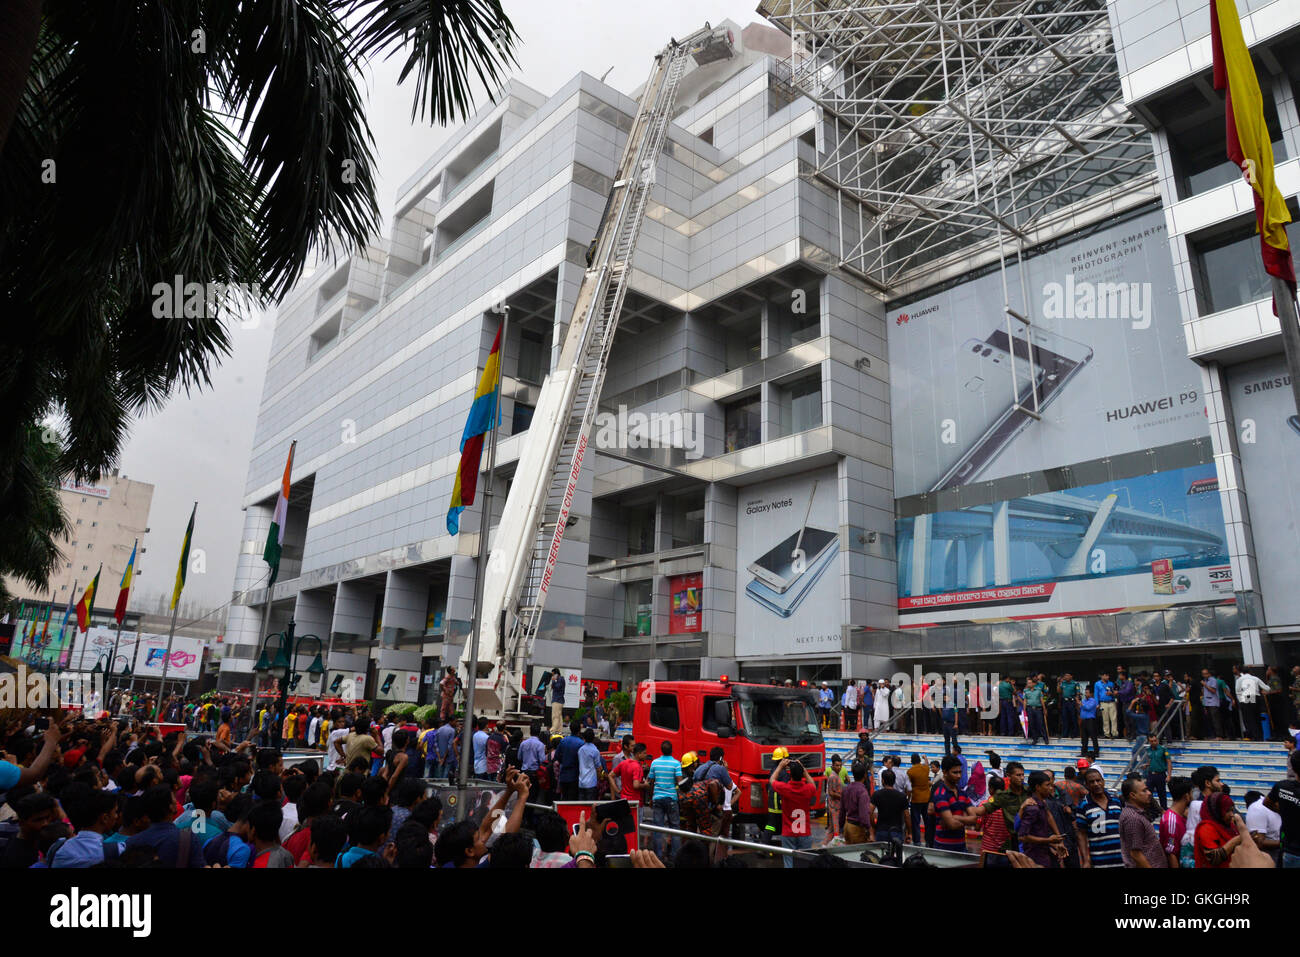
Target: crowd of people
[
  {"x": 1019, "y": 818},
  {"x": 122, "y": 787},
  {"x": 1124, "y": 706}
]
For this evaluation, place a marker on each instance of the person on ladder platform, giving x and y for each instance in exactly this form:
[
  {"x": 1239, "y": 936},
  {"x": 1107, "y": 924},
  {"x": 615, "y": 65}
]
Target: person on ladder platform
[{"x": 772, "y": 830}]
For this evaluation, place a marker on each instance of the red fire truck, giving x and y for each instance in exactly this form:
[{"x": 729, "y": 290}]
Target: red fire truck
[{"x": 747, "y": 721}]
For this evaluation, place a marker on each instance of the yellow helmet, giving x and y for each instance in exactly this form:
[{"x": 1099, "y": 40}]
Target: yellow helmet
[
  {"x": 689, "y": 758},
  {"x": 780, "y": 754}
]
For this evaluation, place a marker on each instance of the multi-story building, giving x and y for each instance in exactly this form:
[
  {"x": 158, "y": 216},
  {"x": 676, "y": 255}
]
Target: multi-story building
[
  {"x": 107, "y": 517},
  {"x": 901, "y": 373}
]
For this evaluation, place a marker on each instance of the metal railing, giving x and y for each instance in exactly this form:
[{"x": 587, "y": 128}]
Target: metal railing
[{"x": 1138, "y": 757}]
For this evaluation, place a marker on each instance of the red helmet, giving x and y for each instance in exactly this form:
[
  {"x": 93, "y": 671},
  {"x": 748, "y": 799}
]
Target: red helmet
[{"x": 1082, "y": 764}]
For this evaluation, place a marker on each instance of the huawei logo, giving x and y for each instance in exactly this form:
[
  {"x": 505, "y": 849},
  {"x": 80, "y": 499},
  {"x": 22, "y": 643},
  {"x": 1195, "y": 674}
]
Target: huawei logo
[{"x": 902, "y": 318}]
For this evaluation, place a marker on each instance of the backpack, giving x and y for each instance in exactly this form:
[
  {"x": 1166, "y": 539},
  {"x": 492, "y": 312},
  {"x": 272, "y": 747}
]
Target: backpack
[{"x": 216, "y": 850}]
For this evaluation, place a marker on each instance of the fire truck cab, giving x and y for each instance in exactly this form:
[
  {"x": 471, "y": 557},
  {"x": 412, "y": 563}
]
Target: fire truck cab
[{"x": 748, "y": 721}]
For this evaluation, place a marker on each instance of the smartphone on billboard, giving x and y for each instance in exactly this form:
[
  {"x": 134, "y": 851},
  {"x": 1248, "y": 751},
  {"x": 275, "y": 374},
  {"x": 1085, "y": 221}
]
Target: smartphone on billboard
[
  {"x": 785, "y": 603},
  {"x": 388, "y": 683},
  {"x": 984, "y": 367},
  {"x": 777, "y": 568}
]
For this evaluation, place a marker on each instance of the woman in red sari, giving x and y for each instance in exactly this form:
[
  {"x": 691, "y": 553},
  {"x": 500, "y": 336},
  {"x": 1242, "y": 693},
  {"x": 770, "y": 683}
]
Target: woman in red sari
[{"x": 1218, "y": 834}]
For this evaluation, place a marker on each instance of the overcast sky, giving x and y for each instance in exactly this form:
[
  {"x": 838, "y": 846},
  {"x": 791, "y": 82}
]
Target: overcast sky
[{"x": 197, "y": 447}]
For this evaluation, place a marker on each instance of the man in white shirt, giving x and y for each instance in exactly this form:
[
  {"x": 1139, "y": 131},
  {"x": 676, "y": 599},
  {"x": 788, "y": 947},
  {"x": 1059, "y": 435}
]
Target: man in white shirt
[
  {"x": 1264, "y": 824},
  {"x": 313, "y": 731},
  {"x": 850, "y": 703},
  {"x": 341, "y": 728},
  {"x": 389, "y": 728},
  {"x": 1248, "y": 689}
]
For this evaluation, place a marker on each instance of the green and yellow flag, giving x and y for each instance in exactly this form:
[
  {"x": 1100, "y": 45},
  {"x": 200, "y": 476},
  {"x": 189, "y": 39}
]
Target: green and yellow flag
[{"x": 185, "y": 558}]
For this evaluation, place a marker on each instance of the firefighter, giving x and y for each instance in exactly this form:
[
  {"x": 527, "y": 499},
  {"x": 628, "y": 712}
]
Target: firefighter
[{"x": 772, "y": 830}]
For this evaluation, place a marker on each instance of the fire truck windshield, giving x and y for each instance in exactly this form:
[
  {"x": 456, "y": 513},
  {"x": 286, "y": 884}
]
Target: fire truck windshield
[{"x": 778, "y": 717}]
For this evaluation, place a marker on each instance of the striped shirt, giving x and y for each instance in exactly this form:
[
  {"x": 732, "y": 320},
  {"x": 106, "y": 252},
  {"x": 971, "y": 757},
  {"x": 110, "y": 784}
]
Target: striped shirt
[
  {"x": 1101, "y": 827},
  {"x": 945, "y": 800},
  {"x": 665, "y": 770}
]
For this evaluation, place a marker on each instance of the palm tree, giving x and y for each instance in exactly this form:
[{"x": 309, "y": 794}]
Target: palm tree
[
  {"x": 219, "y": 141},
  {"x": 28, "y": 549}
]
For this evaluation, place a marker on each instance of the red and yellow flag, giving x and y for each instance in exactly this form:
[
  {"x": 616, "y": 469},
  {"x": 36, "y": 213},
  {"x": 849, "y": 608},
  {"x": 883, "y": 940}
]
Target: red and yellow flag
[
  {"x": 87, "y": 602},
  {"x": 119, "y": 612},
  {"x": 1249, "y": 145}
]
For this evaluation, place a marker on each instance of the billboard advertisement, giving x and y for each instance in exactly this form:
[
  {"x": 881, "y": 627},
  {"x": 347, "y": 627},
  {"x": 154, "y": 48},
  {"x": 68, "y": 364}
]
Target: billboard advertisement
[
  {"x": 1145, "y": 542},
  {"x": 685, "y": 596},
  {"x": 788, "y": 566},
  {"x": 186, "y": 657},
  {"x": 1099, "y": 368},
  {"x": 142, "y": 655},
  {"x": 1269, "y": 443}
]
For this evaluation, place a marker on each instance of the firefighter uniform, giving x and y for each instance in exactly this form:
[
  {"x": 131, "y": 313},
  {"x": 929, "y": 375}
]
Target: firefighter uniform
[{"x": 772, "y": 830}]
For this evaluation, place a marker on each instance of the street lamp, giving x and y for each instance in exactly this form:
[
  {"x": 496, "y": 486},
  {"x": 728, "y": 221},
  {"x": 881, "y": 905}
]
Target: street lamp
[{"x": 286, "y": 653}]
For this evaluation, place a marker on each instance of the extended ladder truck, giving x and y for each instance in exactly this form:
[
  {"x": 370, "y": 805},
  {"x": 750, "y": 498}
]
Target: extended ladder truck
[{"x": 528, "y": 537}]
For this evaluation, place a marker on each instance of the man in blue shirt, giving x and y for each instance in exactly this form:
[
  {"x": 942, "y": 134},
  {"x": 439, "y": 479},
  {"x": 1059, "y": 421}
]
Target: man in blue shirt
[
  {"x": 1104, "y": 689},
  {"x": 93, "y": 813},
  {"x": 162, "y": 835},
  {"x": 532, "y": 752},
  {"x": 1088, "y": 723},
  {"x": 567, "y": 751},
  {"x": 559, "y": 688},
  {"x": 664, "y": 776},
  {"x": 444, "y": 748},
  {"x": 1125, "y": 692},
  {"x": 480, "y": 746},
  {"x": 591, "y": 766},
  {"x": 202, "y": 807}
]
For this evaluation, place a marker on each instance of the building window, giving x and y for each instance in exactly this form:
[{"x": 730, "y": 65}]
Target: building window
[
  {"x": 686, "y": 518},
  {"x": 78, "y": 521},
  {"x": 743, "y": 340},
  {"x": 534, "y": 357},
  {"x": 1228, "y": 271},
  {"x": 94, "y": 524},
  {"x": 663, "y": 711},
  {"x": 1197, "y": 151},
  {"x": 521, "y": 418},
  {"x": 743, "y": 423},
  {"x": 806, "y": 403},
  {"x": 640, "y": 529},
  {"x": 85, "y": 568},
  {"x": 637, "y": 610}
]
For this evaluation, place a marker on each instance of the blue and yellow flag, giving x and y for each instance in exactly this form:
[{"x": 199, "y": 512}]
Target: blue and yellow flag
[{"x": 471, "y": 440}]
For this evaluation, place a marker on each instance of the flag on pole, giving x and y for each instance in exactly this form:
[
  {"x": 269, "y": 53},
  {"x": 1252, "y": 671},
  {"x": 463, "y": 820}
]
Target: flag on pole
[
  {"x": 275, "y": 538},
  {"x": 67, "y": 614},
  {"x": 88, "y": 602},
  {"x": 477, "y": 425},
  {"x": 1249, "y": 144},
  {"x": 185, "y": 558},
  {"x": 120, "y": 611}
]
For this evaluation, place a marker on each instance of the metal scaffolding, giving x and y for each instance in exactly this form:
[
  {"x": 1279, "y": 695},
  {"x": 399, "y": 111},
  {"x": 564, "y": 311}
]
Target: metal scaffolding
[{"x": 959, "y": 131}]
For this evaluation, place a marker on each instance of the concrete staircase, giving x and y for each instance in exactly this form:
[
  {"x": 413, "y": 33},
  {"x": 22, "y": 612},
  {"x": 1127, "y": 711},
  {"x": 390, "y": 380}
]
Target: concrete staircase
[{"x": 1243, "y": 765}]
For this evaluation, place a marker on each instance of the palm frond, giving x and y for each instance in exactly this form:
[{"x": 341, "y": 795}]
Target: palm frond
[{"x": 447, "y": 44}]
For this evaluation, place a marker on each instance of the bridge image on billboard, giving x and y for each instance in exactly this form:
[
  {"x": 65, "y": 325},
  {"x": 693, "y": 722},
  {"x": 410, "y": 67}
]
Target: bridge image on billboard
[{"x": 1144, "y": 542}]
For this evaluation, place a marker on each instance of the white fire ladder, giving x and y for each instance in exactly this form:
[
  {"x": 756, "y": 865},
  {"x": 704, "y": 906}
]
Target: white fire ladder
[{"x": 528, "y": 537}]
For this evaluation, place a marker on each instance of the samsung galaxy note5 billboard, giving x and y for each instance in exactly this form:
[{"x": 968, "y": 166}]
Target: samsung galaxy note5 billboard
[
  {"x": 788, "y": 566},
  {"x": 1088, "y": 362}
]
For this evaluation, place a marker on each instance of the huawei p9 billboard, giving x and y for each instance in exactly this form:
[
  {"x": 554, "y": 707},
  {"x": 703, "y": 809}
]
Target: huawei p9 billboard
[
  {"x": 1100, "y": 367},
  {"x": 1078, "y": 357}
]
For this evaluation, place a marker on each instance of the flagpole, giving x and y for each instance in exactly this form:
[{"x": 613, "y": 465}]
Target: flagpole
[
  {"x": 1286, "y": 317},
  {"x": 176, "y": 606},
  {"x": 467, "y": 725},
  {"x": 64, "y": 624},
  {"x": 257, "y": 678}
]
